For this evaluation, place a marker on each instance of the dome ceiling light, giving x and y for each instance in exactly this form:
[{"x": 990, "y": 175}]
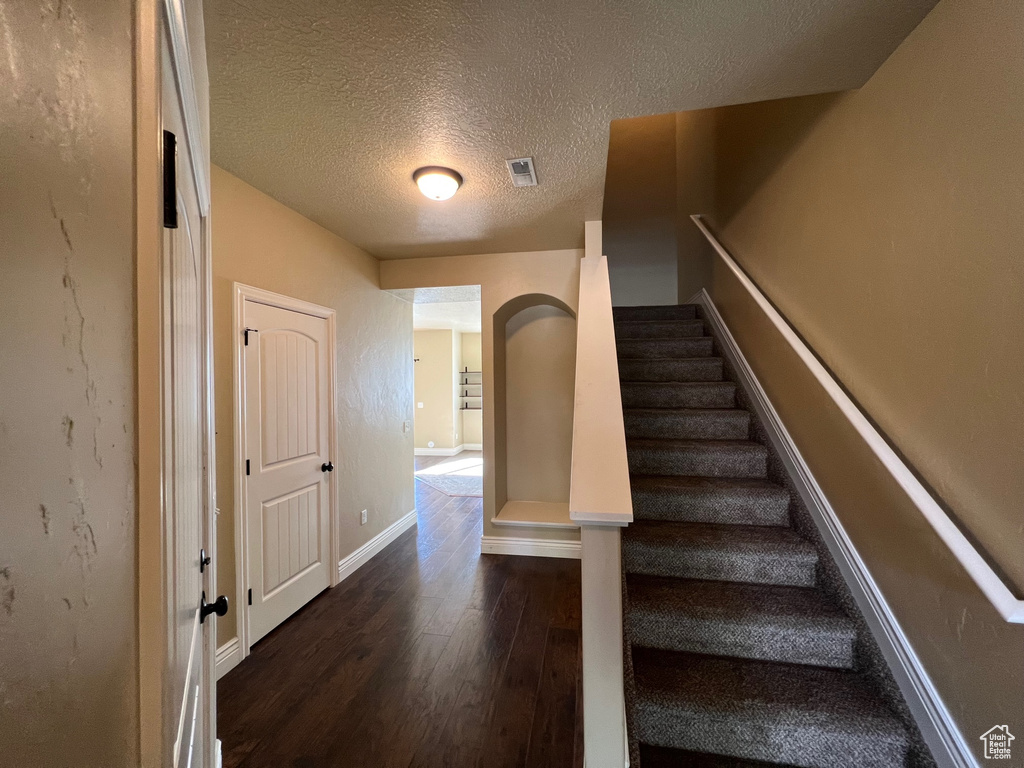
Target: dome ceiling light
[{"x": 436, "y": 182}]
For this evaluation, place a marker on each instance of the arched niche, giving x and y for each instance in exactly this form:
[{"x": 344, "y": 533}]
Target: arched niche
[{"x": 534, "y": 373}]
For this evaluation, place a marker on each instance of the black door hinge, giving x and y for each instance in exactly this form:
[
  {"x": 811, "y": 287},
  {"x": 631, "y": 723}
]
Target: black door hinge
[
  {"x": 246, "y": 466},
  {"x": 170, "y": 181},
  {"x": 250, "y": 595},
  {"x": 247, "y": 332}
]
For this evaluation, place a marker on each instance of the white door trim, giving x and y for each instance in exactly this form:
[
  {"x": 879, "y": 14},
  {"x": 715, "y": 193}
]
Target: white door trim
[
  {"x": 243, "y": 293},
  {"x": 154, "y": 18}
]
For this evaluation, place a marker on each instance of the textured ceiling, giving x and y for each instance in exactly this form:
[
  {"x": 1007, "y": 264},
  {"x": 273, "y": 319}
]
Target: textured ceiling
[
  {"x": 463, "y": 316},
  {"x": 445, "y": 295},
  {"x": 329, "y": 105}
]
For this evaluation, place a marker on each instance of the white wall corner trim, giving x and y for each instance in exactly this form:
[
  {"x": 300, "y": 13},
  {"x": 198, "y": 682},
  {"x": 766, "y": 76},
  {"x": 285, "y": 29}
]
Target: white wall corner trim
[
  {"x": 350, "y": 564},
  {"x": 508, "y": 545},
  {"x": 929, "y": 711},
  {"x": 228, "y": 656},
  {"x": 439, "y": 451}
]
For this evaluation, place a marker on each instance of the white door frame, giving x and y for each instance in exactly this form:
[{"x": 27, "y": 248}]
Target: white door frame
[
  {"x": 242, "y": 294},
  {"x": 153, "y": 19}
]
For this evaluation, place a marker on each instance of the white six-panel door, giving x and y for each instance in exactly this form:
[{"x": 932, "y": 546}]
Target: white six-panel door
[{"x": 286, "y": 412}]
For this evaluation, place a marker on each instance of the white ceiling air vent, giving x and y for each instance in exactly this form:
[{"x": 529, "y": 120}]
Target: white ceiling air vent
[{"x": 523, "y": 172}]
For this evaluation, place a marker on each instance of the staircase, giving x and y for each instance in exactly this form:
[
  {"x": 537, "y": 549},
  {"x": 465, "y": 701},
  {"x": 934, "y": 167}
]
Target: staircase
[{"x": 739, "y": 657}]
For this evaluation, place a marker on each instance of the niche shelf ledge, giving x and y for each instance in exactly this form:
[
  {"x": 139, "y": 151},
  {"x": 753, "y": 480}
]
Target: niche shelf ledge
[{"x": 536, "y": 514}]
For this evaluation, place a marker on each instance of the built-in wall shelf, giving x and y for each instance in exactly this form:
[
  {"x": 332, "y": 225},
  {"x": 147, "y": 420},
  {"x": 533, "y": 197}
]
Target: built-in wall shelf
[
  {"x": 537, "y": 514},
  {"x": 471, "y": 391}
]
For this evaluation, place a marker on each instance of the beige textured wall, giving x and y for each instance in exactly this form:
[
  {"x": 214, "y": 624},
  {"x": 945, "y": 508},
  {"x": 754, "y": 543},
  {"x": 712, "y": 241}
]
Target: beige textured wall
[
  {"x": 472, "y": 421},
  {"x": 260, "y": 242},
  {"x": 890, "y": 234},
  {"x": 435, "y": 420},
  {"x": 886, "y": 225},
  {"x": 695, "y": 193},
  {"x": 639, "y": 213},
  {"x": 540, "y": 374},
  {"x": 453, "y": 378},
  {"x": 502, "y": 277},
  {"x": 68, "y": 621}
]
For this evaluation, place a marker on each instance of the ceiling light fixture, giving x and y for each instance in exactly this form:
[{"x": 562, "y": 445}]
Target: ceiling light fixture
[{"x": 436, "y": 182}]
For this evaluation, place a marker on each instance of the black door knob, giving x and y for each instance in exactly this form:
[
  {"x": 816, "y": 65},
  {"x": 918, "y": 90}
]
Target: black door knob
[
  {"x": 328, "y": 467},
  {"x": 218, "y": 606}
]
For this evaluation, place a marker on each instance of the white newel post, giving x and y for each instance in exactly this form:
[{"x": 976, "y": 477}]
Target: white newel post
[
  {"x": 601, "y": 503},
  {"x": 604, "y": 727}
]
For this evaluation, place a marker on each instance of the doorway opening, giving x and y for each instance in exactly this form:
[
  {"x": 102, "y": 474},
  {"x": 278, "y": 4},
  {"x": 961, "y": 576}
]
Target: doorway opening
[{"x": 449, "y": 395}]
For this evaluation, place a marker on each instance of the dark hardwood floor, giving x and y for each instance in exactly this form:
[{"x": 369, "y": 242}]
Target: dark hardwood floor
[{"x": 428, "y": 655}]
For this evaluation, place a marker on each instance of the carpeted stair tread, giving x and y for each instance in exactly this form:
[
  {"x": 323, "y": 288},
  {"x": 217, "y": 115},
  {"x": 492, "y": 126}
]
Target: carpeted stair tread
[
  {"x": 671, "y": 369},
  {"x": 729, "y": 500},
  {"x": 706, "y": 458},
  {"x": 757, "y": 710},
  {"x": 660, "y": 312},
  {"x": 745, "y": 553},
  {"x": 658, "y": 329},
  {"x": 687, "y": 423},
  {"x": 670, "y": 394},
  {"x": 752, "y": 621},
  {"x": 656, "y": 349},
  {"x": 664, "y": 757}
]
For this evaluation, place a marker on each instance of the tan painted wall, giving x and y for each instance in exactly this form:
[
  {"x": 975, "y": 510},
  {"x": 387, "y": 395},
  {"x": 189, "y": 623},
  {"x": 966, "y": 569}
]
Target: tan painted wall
[
  {"x": 453, "y": 379},
  {"x": 260, "y": 242},
  {"x": 886, "y": 225},
  {"x": 68, "y": 651},
  {"x": 639, "y": 214},
  {"x": 435, "y": 420},
  {"x": 903, "y": 268},
  {"x": 695, "y": 193},
  {"x": 540, "y": 374},
  {"x": 472, "y": 421},
  {"x": 502, "y": 277}
]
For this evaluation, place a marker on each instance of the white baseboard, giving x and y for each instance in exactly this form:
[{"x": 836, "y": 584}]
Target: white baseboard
[
  {"x": 228, "y": 657},
  {"x": 947, "y": 744},
  {"x": 507, "y": 545},
  {"x": 439, "y": 451},
  {"x": 348, "y": 565},
  {"x": 473, "y": 446}
]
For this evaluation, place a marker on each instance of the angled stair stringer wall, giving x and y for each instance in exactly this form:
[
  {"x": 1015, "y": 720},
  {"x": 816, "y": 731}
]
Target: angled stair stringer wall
[{"x": 882, "y": 644}]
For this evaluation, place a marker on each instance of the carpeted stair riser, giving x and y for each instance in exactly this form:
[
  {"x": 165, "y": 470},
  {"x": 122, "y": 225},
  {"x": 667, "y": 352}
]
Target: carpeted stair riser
[
  {"x": 747, "y": 554},
  {"x": 666, "y": 312},
  {"x": 655, "y": 349},
  {"x": 683, "y": 369},
  {"x": 731, "y": 501},
  {"x": 689, "y": 424},
  {"x": 704, "y": 458},
  {"x": 663, "y": 757},
  {"x": 783, "y": 713},
  {"x": 644, "y": 329},
  {"x": 703, "y": 394},
  {"x": 751, "y": 621}
]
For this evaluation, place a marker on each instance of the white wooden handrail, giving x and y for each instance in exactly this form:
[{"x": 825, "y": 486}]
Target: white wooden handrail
[
  {"x": 999, "y": 594},
  {"x": 599, "y": 486},
  {"x": 601, "y": 502}
]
